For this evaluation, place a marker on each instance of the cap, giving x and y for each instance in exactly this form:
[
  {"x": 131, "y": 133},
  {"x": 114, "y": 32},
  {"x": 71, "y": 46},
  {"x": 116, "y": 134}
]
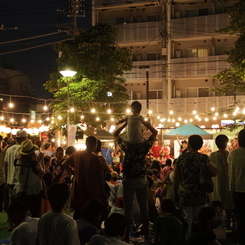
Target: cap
[{"x": 21, "y": 134}]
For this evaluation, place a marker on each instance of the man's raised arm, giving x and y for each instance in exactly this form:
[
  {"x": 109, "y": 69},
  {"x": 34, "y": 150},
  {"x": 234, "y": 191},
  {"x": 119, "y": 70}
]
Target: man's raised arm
[{"x": 118, "y": 131}]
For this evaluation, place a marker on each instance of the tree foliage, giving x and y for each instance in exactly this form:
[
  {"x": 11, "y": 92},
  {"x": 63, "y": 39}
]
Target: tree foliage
[
  {"x": 232, "y": 79},
  {"x": 99, "y": 63}
]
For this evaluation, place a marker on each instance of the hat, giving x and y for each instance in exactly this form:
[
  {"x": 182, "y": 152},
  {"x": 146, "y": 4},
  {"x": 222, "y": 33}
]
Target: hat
[
  {"x": 21, "y": 134},
  {"x": 114, "y": 174},
  {"x": 27, "y": 148}
]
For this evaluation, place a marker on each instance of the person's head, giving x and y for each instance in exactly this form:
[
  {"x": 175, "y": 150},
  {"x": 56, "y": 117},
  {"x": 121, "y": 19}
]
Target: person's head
[
  {"x": 91, "y": 143},
  {"x": 195, "y": 142},
  {"x": 92, "y": 211},
  {"x": 16, "y": 212},
  {"x": 47, "y": 146},
  {"x": 59, "y": 153},
  {"x": 167, "y": 206},
  {"x": 114, "y": 175},
  {"x": 184, "y": 144},
  {"x": 168, "y": 162},
  {"x": 136, "y": 107},
  {"x": 221, "y": 141},
  {"x": 155, "y": 143},
  {"x": 241, "y": 138},
  {"x": 38, "y": 143},
  {"x": 70, "y": 150},
  {"x": 58, "y": 195},
  {"x": 207, "y": 218},
  {"x": 27, "y": 150},
  {"x": 98, "y": 148},
  {"x": 21, "y": 136},
  {"x": 217, "y": 205},
  {"x": 115, "y": 225},
  {"x": 107, "y": 176}
]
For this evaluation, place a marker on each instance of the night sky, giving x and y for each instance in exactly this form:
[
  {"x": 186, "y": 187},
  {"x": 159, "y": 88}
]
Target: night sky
[{"x": 29, "y": 18}]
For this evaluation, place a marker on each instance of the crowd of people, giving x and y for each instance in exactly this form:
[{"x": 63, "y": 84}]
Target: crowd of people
[{"x": 193, "y": 199}]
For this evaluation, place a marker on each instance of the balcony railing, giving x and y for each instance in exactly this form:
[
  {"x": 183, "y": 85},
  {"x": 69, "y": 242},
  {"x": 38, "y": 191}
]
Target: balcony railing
[
  {"x": 138, "y": 32},
  {"x": 197, "y": 66},
  {"x": 138, "y": 73},
  {"x": 99, "y": 3},
  {"x": 198, "y": 26}
]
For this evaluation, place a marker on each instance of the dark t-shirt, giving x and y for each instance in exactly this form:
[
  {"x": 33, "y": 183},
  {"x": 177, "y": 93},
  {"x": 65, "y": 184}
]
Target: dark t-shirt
[
  {"x": 134, "y": 162},
  {"x": 202, "y": 237}
]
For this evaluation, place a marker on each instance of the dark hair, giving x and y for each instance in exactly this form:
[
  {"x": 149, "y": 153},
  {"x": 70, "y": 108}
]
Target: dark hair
[
  {"x": 149, "y": 172},
  {"x": 59, "y": 149},
  {"x": 221, "y": 141},
  {"x": 156, "y": 164},
  {"x": 167, "y": 206},
  {"x": 168, "y": 162},
  {"x": 155, "y": 171},
  {"x": 107, "y": 176},
  {"x": 17, "y": 207},
  {"x": 241, "y": 138},
  {"x": 136, "y": 106},
  {"x": 38, "y": 143},
  {"x": 195, "y": 141},
  {"x": 115, "y": 225},
  {"x": 205, "y": 214},
  {"x": 58, "y": 195},
  {"x": 184, "y": 142},
  {"x": 98, "y": 148},
  {"x": 92, "y": 210},
  {"x": 47, "y": 145},
  {"x": 91, "y": 141},
  {"x": 216, "y": 204},
  {"x": 70, "y": 150}
]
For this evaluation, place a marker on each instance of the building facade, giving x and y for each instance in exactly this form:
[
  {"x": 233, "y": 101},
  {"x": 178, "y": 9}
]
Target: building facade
[{"x": 175, "y": 50}]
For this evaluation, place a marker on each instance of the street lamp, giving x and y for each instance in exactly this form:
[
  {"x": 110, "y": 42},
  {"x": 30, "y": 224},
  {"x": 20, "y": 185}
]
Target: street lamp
[{"x": 68, "y": 74}]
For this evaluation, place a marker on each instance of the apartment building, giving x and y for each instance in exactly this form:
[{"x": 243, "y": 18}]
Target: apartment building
[{"x": 175, "y": 52}]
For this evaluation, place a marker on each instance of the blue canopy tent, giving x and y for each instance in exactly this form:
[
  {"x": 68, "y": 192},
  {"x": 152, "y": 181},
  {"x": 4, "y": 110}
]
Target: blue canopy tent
[{"x": 187, "y": 130}]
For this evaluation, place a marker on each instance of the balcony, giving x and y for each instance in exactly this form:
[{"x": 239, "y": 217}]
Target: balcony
[
  {"x": 138, "y": 74},
  {"x": 197, "y": 67},
  {"x": 138, "y": 33},
  {"x": 101, "y": 4},
  {"x": 198, "y": 26}
]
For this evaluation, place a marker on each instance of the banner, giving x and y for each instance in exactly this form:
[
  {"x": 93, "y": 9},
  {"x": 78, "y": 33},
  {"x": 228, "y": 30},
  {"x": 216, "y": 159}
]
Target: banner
[{"x": 71, "y": 135}]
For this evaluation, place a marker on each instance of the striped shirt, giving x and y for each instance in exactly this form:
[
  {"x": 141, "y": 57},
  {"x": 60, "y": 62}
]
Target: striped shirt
[{"x": 236, "y": 170}]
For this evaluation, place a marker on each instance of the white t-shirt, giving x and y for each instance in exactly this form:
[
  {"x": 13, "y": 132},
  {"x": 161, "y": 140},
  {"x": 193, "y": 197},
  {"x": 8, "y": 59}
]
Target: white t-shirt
[
  {"x": 10, "y": 156},
  {"x": 134, "y": 132},
  {"x": 105, "y": 240},
  {"x": 25, "y": 233},
  {"x": 57, "y": 229}
]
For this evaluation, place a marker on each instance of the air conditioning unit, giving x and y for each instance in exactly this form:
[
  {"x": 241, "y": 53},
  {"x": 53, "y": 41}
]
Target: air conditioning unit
[
  {"x": 178, "y": 53},
  {"x": 164, "y": 51}
]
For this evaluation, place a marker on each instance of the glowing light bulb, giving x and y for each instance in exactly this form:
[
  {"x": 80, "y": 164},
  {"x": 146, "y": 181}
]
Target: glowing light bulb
[
  {"x": 177, "y": 124},
  {"x": 191, "y": 120},
  {"x": 225, "y": 115},
  {"x": 234, "y": 113},
  {"x": 216, "y": 114},
  {"x": 23, "y": 120},
  {"x": 11, "y": 119},
  {"x": 128, "y": 111},
  {"x": 146, "y": 119},
  {"x": 213, "y": 109},
  {"x": 72, "y": 109},
  {"x": 53, "y": 140},
  {"x": 2, "y": 118},
  {"x": 150, "y": 111},
  {"x": 32, "y": 121},
  {"x": 47, "y": 119},
  {"x": 93, "y": 110},
  {"x": 214, "y": 118},
  {"x": 171, "y": 112},
  {"x": 97, "y": 119},
  {"x": 173, "y": 120},
  {"x": 45, "y": 108},
  {"x": 194, "y": 112},
  {"x": 40, "y": 121},
  {"x": 82, "y": 116},
  {"x": 196, "y": 116},
  {"x": 11, "y": 105},
  {"x": 199, "y": 119},
  {"x": 179, "y": 118},
  {"x": 109, "y": 111},
  {"x": 185, "y": 121},
  {"x": 112, "y": 119},
  {"x": 206, "y": 119},
  {"x": 158, "y": 117},
  {"x": 59, "y": 117}
]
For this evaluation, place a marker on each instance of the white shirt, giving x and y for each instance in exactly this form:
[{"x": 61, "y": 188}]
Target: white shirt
[
  {"x": 10, "y": 156},
  {"x": 57, "y": 229},
  {"x": 25, "y": 233}
]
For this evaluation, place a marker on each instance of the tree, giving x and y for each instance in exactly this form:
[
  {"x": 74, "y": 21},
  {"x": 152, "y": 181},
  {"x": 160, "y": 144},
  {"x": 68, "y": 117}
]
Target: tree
[
  {"x": 232, "y": 79},
  {"x": 100, "y": 64}
]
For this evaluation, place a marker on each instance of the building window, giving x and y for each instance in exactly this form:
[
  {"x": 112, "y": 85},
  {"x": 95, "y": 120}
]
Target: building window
[
  {"x": 115, "y": 21},
  {"x": 157, "y": 94},
  {"x": 151, "y": 18},
  {"x": 202, "y": 12},
  {"x": 191, "y": 92},
  {"x": 153, "y": 56},
  {"x": 203, "y": 92},
  {"x": 191, "y": 12},
  {"x": 197, "y": 52}
]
